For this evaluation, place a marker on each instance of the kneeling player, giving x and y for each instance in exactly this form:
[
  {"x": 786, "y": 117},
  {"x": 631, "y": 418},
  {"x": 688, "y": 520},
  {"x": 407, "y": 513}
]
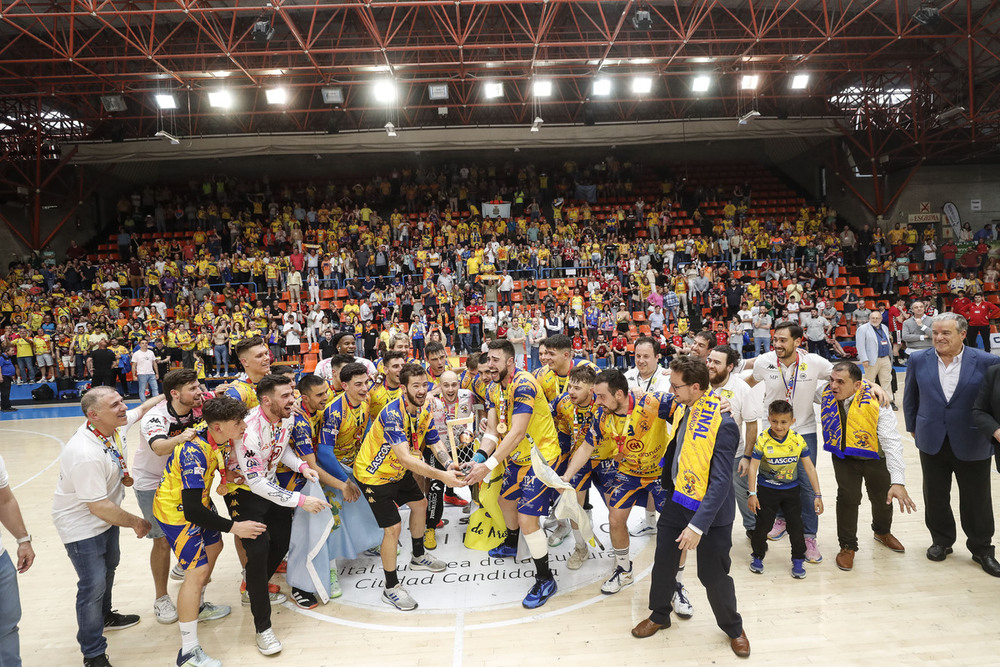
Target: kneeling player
[{"x": 193, "y": 532}]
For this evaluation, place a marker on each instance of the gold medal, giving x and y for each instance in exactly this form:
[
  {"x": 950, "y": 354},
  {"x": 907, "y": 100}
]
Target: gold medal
[{"x": 502, "y": 428}]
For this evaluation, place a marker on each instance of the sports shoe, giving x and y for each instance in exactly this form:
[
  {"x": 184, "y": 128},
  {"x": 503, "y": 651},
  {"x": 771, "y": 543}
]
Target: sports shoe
[
  {"x": 618, "y": 580},
  {"x": 681, "y": 603},
  {"x": 335, "y": 591},
  {"x": 304, "y": 599},
  {"x": 778, "y": 531},
  {"x": 267, "y": 643},
  {"x": 757, "y": 565},
  {"x": 539, "y": 594},
  {"x": 116, "y": 621},
  {"x": 213, "y": 612},
  {"x": 455, "y": 501},
  {"x": 399, "y": 598},
  {"x": 177, "y": 572},
  {"x": 798, "y": 568},
  {"x": 97, "y": 660},
  {"x": 164, "y": 610},
  {"x": 560, "y": 534},
  {"x": 644, "y": 528},
  {"x": 376, "y": 551},
  {"x": 429, "y": 563},
  {"x": 812, "y": 551},
  {"x": 550, "y": 523},
  {"x": 503, "y": 551},
  {"x": 578, "y": 557},
  {"x": 271, "y": 588},
  {"x": 197, "y": 658},
  {"x": 276, "y": 598},
  {"x": 282, "y": 567},
  {"x": 430, "y": 539}
]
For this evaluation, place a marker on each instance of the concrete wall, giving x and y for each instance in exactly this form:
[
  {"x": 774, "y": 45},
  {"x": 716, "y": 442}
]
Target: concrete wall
[{"x": 959, "y": 184}]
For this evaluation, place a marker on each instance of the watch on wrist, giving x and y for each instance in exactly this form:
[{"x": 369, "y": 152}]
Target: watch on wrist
[{"x": 26, "y": 538}]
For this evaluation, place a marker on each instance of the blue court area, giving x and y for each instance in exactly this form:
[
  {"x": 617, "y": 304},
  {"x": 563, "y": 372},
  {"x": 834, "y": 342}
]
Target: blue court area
[{"x": 47, "y": 411}]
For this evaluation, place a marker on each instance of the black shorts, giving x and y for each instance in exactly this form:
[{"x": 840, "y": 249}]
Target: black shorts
[{"x": 385, "y": 499}]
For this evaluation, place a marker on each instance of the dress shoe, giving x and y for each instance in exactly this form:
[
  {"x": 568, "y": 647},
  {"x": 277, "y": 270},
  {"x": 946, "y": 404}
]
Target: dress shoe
[
  {"x": 845, "y": 560},
  {"x": 938, "y": 552},
  {"x": 647, "y": 628},
  {"x": 989, "y": 564},
  {"x": 890, "y": 541},
  {"x": 741, "y": 645}
]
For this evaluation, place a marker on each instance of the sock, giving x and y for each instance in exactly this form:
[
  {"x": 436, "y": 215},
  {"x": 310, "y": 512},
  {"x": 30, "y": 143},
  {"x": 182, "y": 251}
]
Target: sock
[
  {"x": 651, "y": 517},
  {"x": 391, "y": 579},
  {"x": 512, "y": 536},
  {"x": 680, "y": 574},
  {"x": 542, "y": 570},
  {"x": 621, "y": 559},
  {"x": 189, "y": 636},
  {"x": 418, "y": 546},
  {"x": 578, "y": 536}
]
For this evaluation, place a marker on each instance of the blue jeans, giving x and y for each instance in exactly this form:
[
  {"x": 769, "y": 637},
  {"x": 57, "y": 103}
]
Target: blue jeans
[
  {"x": 761, "y": 344},
  {"x": 95, "y": 560},
  {"x": 27, "y": 367},
  {"x": 221, "y": 353},
  {"x": 535, "y": 361},
  {"x": 10, "y": 614},
  {"x": 147, "y": 381}
]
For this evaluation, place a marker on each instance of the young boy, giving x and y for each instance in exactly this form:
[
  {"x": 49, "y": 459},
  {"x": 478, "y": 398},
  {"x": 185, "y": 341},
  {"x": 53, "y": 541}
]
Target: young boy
[
  {"x": 184, "y": 510},
  {"x": 774, "y": 486}
]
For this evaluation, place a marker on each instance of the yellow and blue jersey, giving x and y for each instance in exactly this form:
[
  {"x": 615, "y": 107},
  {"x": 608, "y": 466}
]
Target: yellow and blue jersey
[
  {"x": 191, "y": 466},
  {"x": 305, "y": 431},
  {"x": 779, "y": 459},
  {"x": 572, "y": 423},
  {"x": 380, "y": 396},
  {"x": 554, "y": 384},
  {"x": 343, "y": 428},
  {"x": 376, "y": 463},
  {"x": 525, "y": 396},
  {"x": 638, "y": 438},
  {"x": 245, "y": 391}
]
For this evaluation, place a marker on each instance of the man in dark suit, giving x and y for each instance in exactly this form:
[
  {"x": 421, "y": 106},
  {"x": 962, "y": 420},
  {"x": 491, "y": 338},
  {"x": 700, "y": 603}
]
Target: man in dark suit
[
  {"x": 941, "y": 388},
  {"x": 708, "y": 528}
]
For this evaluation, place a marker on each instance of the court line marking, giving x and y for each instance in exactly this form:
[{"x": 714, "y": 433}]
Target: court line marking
[
  {"x": 62, "y": 444},
  {"x": 460, "y": 625},
  {"x": 457, "y": 654}
]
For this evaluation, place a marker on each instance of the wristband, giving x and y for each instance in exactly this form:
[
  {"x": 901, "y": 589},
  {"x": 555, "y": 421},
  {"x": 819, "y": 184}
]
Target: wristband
[
  {"x": 748, "y": 458},
  {"x": 302, "y": 499},
  {"x": 492, "y": 462},
  {"x": 304, "y": 466},
  {"x": 751, "y": 493},
  {"x": 816, "y": 495},
  {"x": 479, "y": 457},
  {"x": 490, "y": 436}
]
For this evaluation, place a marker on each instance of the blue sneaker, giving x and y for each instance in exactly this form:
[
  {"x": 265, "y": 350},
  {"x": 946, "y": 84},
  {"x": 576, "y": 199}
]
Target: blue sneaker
[
  {"x": 503, "y": 551},
  {"x": 539, "y": 593},
  {"x": 757, "y": 565},
  {"x": 799, "y": 568}
]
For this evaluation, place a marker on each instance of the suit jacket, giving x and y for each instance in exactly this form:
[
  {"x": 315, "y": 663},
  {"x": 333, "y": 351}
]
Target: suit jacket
[
  {"x": 986, "y": 409},
  {"x": 931, "y": 419},
  {"x": 867, "y": 341},
  {"x": 718, "y": 507}
]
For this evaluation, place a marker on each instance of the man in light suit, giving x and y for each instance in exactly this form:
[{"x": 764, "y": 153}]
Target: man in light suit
[
  {"x": 941, "y": 388},
  {"x": 709, "y": 529},
  {"x": 875, "y": 352}
]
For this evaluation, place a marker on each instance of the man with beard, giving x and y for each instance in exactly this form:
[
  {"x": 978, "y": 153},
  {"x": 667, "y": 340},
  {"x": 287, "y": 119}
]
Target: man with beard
[
  {"x": 384, "y": 467},
  {"x": 388, "y": 389}
]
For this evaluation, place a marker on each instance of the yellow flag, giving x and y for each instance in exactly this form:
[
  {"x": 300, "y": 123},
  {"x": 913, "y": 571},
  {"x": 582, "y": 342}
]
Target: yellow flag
[{"x": 486, "y": 527}]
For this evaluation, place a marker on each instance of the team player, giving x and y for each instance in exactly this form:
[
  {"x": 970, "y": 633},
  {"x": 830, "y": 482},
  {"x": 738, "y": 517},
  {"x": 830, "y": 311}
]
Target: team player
[
  {"x": 390, "y": 455},
  {"x": 520, "y": 418},
  {"x": 388, "y": 389},
  {"x": 256, "y": 360},
  {"x": 573, "y": 413},
  {"x": 261, "y": 498},
  {"x": 165, "y": 426},
  {"x": 450, "y": 402},
  {"x": 336, "y": 362},
  {"x": 398, "y": 343},
  {"x": 184, "y": 511},
  {"x": 437, "y": 363}
]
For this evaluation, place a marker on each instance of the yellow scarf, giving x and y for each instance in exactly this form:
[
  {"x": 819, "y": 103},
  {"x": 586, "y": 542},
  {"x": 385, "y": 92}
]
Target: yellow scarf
[
  {"x": 704, "y": 418},
  {"x": 861, "y": 428}
]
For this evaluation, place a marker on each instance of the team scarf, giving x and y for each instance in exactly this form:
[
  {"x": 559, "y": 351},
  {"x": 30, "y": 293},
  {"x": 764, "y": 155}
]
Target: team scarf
[
  {"x": 704, "y": 419},
  {"x": 862, "y": 424}
]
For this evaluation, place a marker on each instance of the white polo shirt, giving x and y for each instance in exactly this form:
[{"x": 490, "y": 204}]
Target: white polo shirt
[
  {"x": 660, "y": 380},
  {"x": 805, "y": 376},
  {"x": 88, "y": 472},
  {"x": 741, "y": 407}
]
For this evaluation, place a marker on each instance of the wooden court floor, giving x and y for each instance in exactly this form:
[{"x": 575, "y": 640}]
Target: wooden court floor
[{"x": 892, "y": 609}]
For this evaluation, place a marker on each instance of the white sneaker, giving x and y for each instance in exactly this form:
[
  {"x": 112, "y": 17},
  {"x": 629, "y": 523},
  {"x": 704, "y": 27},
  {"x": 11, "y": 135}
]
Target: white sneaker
[
  {"x": 213, "y": 612},
  {"x": 197, "y": 658},
  {"x": 276, "y": 598},
  {"x": 335, "y": 591},
  {"x": 681, "y": 603},
  {"x": 399, "y": 598},
  {"x": 618, "y": 580},
  {"x": 267, "y": 643},
  {"x": 177, "y": 573},
  {"x": 429, "y": 563},
  {"x": 164, "y": 610},
  {"x": 578, "y": 557},
  {"x": 561, "y": 532},
  {"x": 644, "y": 528},
  {"x": 550, "y": 523}
]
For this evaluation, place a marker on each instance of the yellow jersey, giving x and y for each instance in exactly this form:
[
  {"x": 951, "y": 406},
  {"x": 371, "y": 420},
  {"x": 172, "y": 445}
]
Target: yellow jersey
[
  {"x": 524, "y": 395},
  {"x": 572, "y": 423},
  {"x": 191, "y": 466},
  {"x": 380, "y": 396},
  {"x": 245, "y": 391},
  {"x": 376, "y": 463},
  {"x": 779, "y": 459},
  {"x": 554, "y": 384},
  {"x": 343, "y": 428}
]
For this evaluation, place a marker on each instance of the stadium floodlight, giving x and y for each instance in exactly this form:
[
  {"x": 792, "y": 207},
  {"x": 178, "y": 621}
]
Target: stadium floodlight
[
  {"x": 701, "y": 83},
  {"x": 748, "y": 116},
  {"x": 390, "y": 129},
  {"x": 169, "y": 137},
  {"x": 542, "y": 88},
  {"x": 642, "y": 85},
  {"x": 333, "y": 95},
  {"x": 276, "y": 95},
  {"x": 385, "y": 91},
  {"x": 437, "y": 91},
  {"x": 220, "y": 99},
  {"x": 601, "y": 87},
  {"x": 493, "y": 89},
  {"x": 166, "y": 101},
  {"x": 749, "y": 82},
  {"x": 113, "y": 102},
  {"x": 800, "y": 81},
  {"x": 536, "y": 124}
]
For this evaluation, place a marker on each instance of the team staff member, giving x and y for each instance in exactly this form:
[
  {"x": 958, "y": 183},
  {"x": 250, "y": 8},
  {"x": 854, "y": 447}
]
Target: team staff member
[
  {"x": 385, "y": 465},
  {"x": 520, "y": 418},
  {"x": 87, "y": 513},
  {"x": 699, "y": 511},
  {"x": 10, "y": 601},
  {"x": 261, "y": 498},
  {"x": 184, "y": 511}
]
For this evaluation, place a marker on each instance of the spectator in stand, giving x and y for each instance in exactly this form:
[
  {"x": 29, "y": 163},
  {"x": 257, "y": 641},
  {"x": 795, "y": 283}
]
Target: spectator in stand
[
  {"x": 817, "y": 328},
  {"x": 875, "y": 352},
  {"x": 917, "y": 328},
  {"x": 144, "y": 366},
  {"x": 979, "y": 313}
]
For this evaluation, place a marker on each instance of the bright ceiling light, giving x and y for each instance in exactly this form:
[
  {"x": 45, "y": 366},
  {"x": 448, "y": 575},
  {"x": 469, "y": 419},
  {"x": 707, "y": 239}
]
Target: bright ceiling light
[
  {"x": 542, "y": 88},
  {"x": 602, "y": 87},
  {"x": 701, "y": 84},
  {"x": 749, "y": 82},
  {"x": 800, "y": 81},
  {"x": 385, "y": 91},
  {"x": 220, "y": 99},
  {"x": 493, "y": 89},
  {"x": 642, "y": 85},
  {"x": 166, "y": 101},
  {"x": 276, "y": 95},
  {"x": 221, "y": 74},
  {"x": 390, "y": 129}
]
